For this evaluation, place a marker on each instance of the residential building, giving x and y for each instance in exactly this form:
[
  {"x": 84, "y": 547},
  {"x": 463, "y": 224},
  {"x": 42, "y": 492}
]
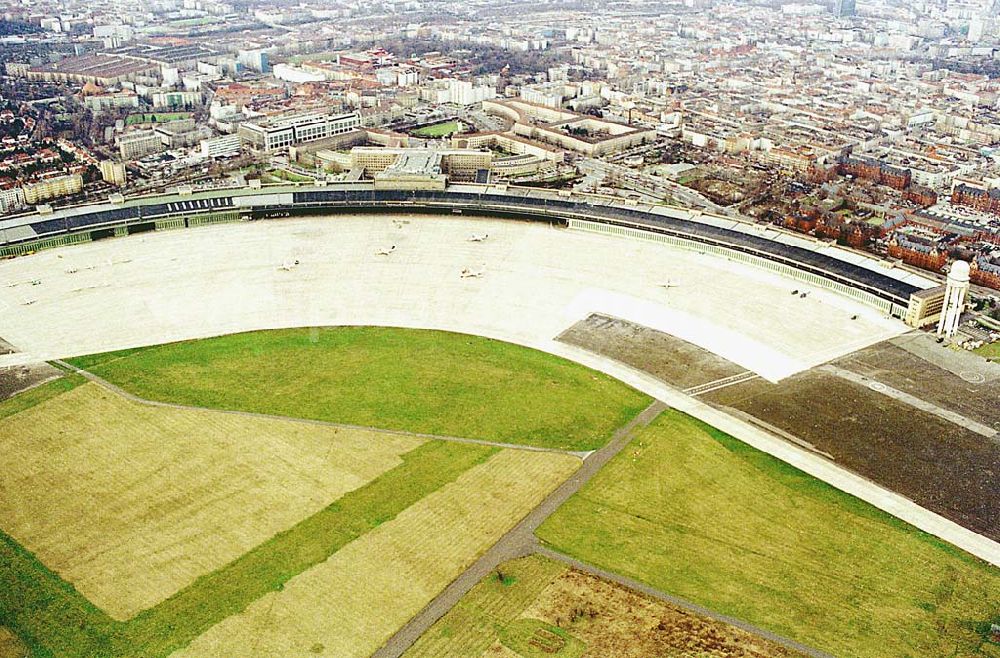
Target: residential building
[
  {"x": 11, "y": 199},
  {"x": 139, "y": 143},
  {"x": 113, "y": 172},
  {"x": 52, "y": 187}
]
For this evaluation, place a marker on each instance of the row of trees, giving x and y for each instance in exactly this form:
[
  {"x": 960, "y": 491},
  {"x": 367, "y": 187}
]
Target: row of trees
[{"x": 484, "y": 59}]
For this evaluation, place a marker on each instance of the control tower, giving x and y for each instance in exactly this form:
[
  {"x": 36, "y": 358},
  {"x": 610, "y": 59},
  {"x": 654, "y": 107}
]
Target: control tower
[{"x": 956, "y": 291}]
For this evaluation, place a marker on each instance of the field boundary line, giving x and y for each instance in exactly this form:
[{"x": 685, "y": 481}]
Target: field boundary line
[
  {"x": 677, "y": 601},
  {"x": 117, "y": 390}
]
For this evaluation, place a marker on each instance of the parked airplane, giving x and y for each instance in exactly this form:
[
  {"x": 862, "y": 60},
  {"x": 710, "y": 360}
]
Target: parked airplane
[
  {"x": 289, "y": 265},
  {"x": 385, "y": 251},
  {"x": 469, "y": 273},
  {"x": 478, "y": 237}
]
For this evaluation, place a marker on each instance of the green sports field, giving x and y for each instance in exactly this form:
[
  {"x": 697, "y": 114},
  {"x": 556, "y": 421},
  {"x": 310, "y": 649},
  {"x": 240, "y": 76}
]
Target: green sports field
[
  {"x": 421, "y": 381},
  {"x": 697, "y": 514},
  {"x": 156, "y": 117},
  {"x": 438, "y": 129}
]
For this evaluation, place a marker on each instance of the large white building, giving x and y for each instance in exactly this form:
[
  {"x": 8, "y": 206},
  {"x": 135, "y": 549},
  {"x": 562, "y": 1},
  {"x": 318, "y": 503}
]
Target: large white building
[
  {"x": 285, "y": 131},
  {"x": 459, "y": 92},
  {"x": 463, "y": 92},
  {"x": 221, "y": 147}
]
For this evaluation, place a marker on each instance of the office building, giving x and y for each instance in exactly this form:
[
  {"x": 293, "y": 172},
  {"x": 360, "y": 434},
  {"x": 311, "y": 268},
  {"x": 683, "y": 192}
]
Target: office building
[{"x": 284, "y": 131}]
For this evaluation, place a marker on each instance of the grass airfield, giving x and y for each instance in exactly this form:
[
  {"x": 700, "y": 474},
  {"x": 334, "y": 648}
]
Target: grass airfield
[
  {"x": 424, "y": 381},
  {"x": 746, "y": 535},
  {"x": 384, "y": 521},
  {"x": 112, "y": 491},
  {"x": 217, "y": 514}
]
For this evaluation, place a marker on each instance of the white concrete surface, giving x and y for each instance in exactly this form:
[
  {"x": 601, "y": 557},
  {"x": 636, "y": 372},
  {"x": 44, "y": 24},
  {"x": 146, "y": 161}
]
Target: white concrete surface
[{"x": 539, "y": 280}]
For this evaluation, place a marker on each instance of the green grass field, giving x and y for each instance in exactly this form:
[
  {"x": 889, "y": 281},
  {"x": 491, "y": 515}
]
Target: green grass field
[
  {"x": 53, "y": 619},
  {"x": 423, "y": 381},
  {"x": 991, "y": 351},
  {"x": 696, "y": 513},
  {"x": 157, "y": 117},
  {"x": 438, "y": 129},
  {"x": 282, "y": 175},
  {"x": 475, "y": 622}
]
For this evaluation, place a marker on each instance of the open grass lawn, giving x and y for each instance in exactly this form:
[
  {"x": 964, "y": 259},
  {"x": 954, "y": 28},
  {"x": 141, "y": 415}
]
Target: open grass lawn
[
  {"x": 423, "y": 381},
  {"x": 106, "y": 491},
  {"x": 283, "y": 175},
  {"x": 526, "y": 602},
  {"x": 156, "y": 117},
  {"x": 990, "y": 351},
  {"x": 438, "y": 129},
  {"x": 53, "y": 619},
  {"x": 472, "y": 625},
  {"x": 698, "y": 514},
  {"x": 350, "y": 604}
]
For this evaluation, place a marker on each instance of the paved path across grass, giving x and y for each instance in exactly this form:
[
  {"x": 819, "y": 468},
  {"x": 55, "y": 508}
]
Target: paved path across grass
[
  {"x": 521, "y": 541},
  {"x": 518, "y": 542}
]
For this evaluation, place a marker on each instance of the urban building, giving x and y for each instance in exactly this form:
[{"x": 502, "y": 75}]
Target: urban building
[
  {"x": 925, "y": 307},
  {"x": 845, "y": 8},
  {"x": 11, "y": 199},
  {"x": 113, "y": 172},
  {"x": 139, "y": 143},
  {"x": 52, "y": 187},
  {"x": 457, "y": 164},
  {"x": 226, "y": 146},
  {"x": 98, "y": 69},
  {"x": 255, "y": 60},
  {"x": 584, "y": 134},
  {"x": 99, "y": 103},
  {"x": 283, "y": 131}
]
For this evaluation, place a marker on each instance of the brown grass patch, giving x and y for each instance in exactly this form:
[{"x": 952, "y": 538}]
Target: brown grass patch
[
  {"x": 350, "y": 604},
  {"x": 130, "y": 502}
]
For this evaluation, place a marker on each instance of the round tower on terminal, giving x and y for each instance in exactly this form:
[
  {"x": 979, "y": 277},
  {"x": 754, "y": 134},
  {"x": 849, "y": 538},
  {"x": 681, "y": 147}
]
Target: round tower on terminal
[{"x": 956, "y": 292}]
